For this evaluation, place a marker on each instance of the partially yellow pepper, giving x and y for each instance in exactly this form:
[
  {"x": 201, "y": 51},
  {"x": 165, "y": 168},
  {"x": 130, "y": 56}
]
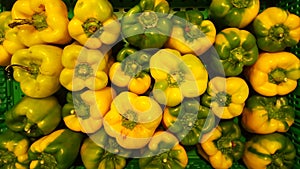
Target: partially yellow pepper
[
  {"x": 132, "y": 119},
  {"x": 226, "y": 96},
  {"x": 41, "y": 22},
  {"x": 94, "y": 23},
  {"x": 9, "y": 42},
  {"x": 84, "y": 111},
  {"x": 84, "y": 68},
  {"x": 274, "y": 73}
]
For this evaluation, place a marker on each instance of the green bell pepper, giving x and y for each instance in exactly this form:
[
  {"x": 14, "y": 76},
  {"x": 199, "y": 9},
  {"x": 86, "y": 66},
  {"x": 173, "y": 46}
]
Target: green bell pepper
[
  {"x": 146, "y": 24},
  {"x": 236, "y": 49},
  {"x": 13, "y": 150},
  {"x": 131, "y": 70},
  {"x": 58, "y": 150},
  {"x": 34, "y": 117},
  {"x": 276, "y": 29},
  {"x": 191, "y": 32},
  {"x": 265, "y": 115},
  {"x": 234, "y": 13},
  {"x": 188, "y": 121},
  {"x": 103, "y": 152},
  {"x": 164, "y": 151},
  {"x": 223, "y": 145},
  {"x": 269, "y": 151}
]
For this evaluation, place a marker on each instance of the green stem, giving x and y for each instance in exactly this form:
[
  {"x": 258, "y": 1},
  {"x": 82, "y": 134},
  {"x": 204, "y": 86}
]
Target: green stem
[
  {"x": 240, "y": 3},
  {"x": 46, "y": 161},
  {"x": 129, "y": 119},
  {"x": 175, "y": 78},
  {"x": 33, "y": 69},
  {"x": 192, "y": 32},
  {"x": 148, "y": 19},
  {"x": 92, "y": 26},
  {"x": 277, "y": 76},
  {"x": 278, "y": 32},
  {"x": 7, "y": 158},
  {"x": 223, "y": 99},
  {"x": 83, "y": 71},
  {"x": 82, "y": 110},
  {"x": 237, "y": 53},
  {"x": 38, "y": 20}
]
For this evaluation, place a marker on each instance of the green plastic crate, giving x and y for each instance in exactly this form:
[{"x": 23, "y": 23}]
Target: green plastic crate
[{"x": 10, "y": 92}]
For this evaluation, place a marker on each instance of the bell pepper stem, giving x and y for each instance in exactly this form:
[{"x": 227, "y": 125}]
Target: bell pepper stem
[
  {"x": 38, "y": 20},
  {"x": 92, "y": 26},
  {"x": 277, "y": 76},
  {"x": 240, "y": 3},
  {"x": 8, "y": 69},
  {"x": 7, "y": 157}
]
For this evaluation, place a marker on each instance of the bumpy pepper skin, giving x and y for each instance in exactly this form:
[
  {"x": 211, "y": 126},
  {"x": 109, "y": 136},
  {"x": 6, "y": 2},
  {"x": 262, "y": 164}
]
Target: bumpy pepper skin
[
  {"x": 269, "y": 151},
  {"x": 84, "y": 111},
  {"x": 234, "y": 13},
  {"x": 276, "y": 29},
  {"x": 132, "y": 119},
  {"x": 34, "y": 116},
  {"x": 164, "y": 151},
  {"x": 59, "y": 149},
  {"x": 146, "y": 24},
  {"x": 177, "y": 76},
  {"x": 131, "y": 70},
  {"x": 9, "y": 42},
  {"x": 37, "y": 69},
  {"x": 84, "y": 68},
  {"x": 191, "y": 33},
  {"x": 94, "y": 24},
  {"x": 13, "y": 150},
  {"x": 274, "y": 73},
  {"x": 223, "y": 145},
  {"x": 102, "y": 152},
  {"x": 41, "y": 22},
  {"x": 188, "y": 121},
  {"x": 226, "y": 96},
  {"x": 265, "y": 115},
  {"x": 236, "y": 48}
]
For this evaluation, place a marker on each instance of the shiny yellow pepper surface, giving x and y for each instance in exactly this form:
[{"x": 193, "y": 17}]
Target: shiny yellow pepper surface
[
  {"x": 94, "y": 23},
  {"x": 41, "y": 22},
  {"x": 132, "y": 119}
]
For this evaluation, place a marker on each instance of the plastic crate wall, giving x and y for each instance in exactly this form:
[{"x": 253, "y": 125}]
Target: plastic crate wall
[{"x": 10, "y": 92}]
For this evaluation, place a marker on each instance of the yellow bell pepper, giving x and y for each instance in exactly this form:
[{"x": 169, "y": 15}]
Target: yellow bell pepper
[
  {"x": 9, "y": 42},
  {"x": 132, "y": 119},
  {"x": 274, "y": 73},
  {"x": 84, "y": 111},
  {"x": 94, "y": 23},
  {"x": 41, "y": 22},
  {"x": 84, "y": 68},
  {"x": 177, "y": 76},
  {"x": 226, "y": 96}
]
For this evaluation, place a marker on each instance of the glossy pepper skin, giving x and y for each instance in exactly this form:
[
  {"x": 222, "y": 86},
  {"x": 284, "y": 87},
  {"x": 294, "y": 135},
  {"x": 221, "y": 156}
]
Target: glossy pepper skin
[
  {"x": 265, "y": 115},
  {"x": 191, "y": 33},
  {"x": 131, "y": 70},
  {"x": 274, "y": 73},
  {"x": 34, "y": 117},
  {"x": 94, "y": 24},
  {"x": 41, "y": 22},
  {"x": 164, "y": 151},
  {"x": 177, "y": 76},
  {"x": 9, "y": 42},
  {"x": 84, "y": 111},
  {"x": 223, "y": 145},
  {"x": 13, "y": 150},
  {"x": 269, "y": 151},
  {"x": 132, "y": 119},
  {"x": 237, "y": 13},
  {"x": 103, "y": 152},
  {"x": 226, "y": 96},
  {"x": 37, "y": 69},
  {"x": 146, "y": 24},
  {"x": 236, "y": 48},
  {"x": 59, "y": 149},
  {"x": 84, "y": 68},
  {"x": 276, "y": 29},
  {"x": 188, "y": 121}
]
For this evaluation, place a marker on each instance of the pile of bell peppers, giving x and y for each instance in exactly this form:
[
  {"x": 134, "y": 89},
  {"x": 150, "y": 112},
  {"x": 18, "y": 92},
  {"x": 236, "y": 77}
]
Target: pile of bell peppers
[{"x": 101, "y": 88}]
